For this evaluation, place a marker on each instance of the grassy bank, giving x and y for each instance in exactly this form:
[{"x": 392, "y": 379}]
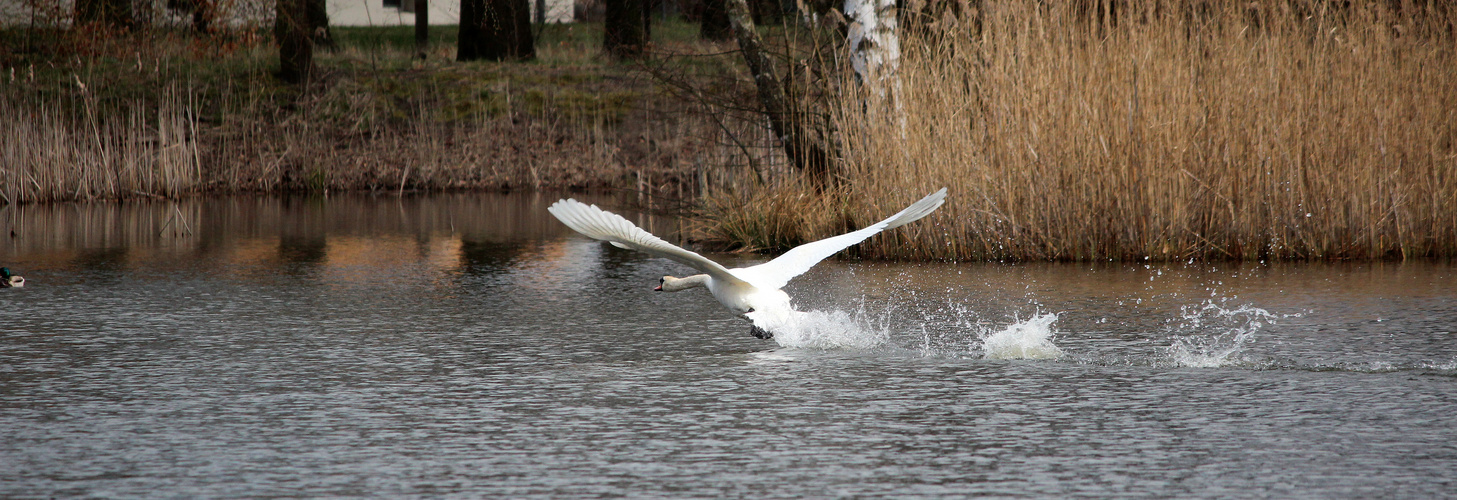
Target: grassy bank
[
  {"x": 160, "y": 113},
  {"x": 1151, "y": 131},
  {"x": 1132, "y": 130}
]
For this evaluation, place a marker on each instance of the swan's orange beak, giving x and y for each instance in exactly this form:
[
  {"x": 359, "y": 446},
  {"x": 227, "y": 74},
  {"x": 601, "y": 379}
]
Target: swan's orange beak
[{"x": 658, "y": 288}]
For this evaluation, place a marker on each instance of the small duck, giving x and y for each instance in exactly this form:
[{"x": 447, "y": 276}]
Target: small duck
[{"x": 8, "y": 280}]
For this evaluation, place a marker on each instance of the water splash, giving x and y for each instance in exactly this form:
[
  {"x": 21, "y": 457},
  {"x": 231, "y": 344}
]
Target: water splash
[
  {"x": 828, "y": 330},
  {"x": 1448, "y": 366},
  {"x": 1211, "y": 335},
  {"x": 1030, "y": 339}
]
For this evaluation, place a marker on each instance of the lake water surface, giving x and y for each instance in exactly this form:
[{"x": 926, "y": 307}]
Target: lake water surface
[{"x": 471, "y": 346}]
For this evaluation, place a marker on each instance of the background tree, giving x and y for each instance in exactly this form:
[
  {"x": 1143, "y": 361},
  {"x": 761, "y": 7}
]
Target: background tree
[
  {"x": 204, "y": 12},
  {"x": 295, "y": 45},
  {"x": 625, "y": 30},
  {"x": 714, "y": 21},
  {"x": 495, "y": 30},
  {"x": 766, "y": 11},
  {"x": 874, "y": 43},
  {"x": 525, "y": 44},
  {"x": 808, "y": 156},
  {"x": 317, "y": 12},
  {"x": 116, "y": 13},
  {"x": 422, "y": 26}
]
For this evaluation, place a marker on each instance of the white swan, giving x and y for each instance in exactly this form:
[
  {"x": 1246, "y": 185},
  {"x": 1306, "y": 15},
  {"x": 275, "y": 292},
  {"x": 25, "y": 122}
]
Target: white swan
[{"x": 753, "y": 292}]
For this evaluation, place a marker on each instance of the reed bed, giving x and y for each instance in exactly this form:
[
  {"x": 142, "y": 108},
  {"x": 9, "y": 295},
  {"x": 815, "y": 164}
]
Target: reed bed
[
  {"x": 378, "y": 118},
  {"x": 51, "y": 154},
  {"x": 1150, "y": 131}
]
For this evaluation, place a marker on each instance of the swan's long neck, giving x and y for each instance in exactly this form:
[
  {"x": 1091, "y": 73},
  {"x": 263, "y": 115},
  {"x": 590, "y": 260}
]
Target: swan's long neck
[{"x": 671, "y": 284}]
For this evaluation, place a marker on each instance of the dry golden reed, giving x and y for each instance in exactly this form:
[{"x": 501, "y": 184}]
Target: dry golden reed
[
  {"x": 1158, "y": 130},
  {"x": 50, "y": 154},
  {"x": 94, "y": 125}
]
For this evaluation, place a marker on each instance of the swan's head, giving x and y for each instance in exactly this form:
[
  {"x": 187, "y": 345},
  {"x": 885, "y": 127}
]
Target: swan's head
[{"x": 672, "y": 284}]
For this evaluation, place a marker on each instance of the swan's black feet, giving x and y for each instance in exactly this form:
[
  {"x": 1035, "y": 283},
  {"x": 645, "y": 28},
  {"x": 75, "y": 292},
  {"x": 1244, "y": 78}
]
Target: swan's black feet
[{"x": 760, "y": 333}]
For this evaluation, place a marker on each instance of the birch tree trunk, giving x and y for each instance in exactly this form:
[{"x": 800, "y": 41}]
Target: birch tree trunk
[
  {"x": 808, "y": 157},
  {"x": 874, "y": 44}
]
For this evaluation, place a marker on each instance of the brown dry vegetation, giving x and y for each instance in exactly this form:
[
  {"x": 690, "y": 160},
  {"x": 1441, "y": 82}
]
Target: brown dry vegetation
[
  {"x": 1129, "y": 130},
  {"x": 1153, "y": 130},
  {"x": 157, "y": 113}
]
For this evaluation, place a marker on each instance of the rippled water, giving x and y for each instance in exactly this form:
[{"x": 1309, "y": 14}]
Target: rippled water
[{"x": 468, "y": 346}]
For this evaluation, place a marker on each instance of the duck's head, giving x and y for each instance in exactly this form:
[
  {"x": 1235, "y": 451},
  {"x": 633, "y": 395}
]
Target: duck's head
[{"x": 8, "y": 280}]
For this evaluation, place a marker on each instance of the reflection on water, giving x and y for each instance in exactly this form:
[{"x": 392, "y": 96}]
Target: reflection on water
[
  {"x": 339, "y": 234},
  {"x": 469, "y": 345}
]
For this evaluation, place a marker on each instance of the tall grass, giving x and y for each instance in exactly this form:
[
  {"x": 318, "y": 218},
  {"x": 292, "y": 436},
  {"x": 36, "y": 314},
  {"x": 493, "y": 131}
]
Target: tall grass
[
  {"x": 49, "y": 153},
  {"x": 379, "y": 118},
  {"x": 1155, "y": 130}
]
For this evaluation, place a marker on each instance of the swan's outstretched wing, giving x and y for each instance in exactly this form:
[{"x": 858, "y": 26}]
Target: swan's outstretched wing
[
  {"x": 602, "y": 225},
  {"x": 777, "y": 273}
]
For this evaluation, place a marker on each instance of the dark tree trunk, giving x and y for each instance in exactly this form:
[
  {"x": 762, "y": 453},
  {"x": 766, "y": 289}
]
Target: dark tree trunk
[
  {"x": 116, "y": 13},
  {"x": 714, "y": 21},
  {"x": 647, "y": 21},
  {"x": 318, "y": 15},
  {"x": 203, "y": 15},
  {"x": 204, "y": 12},
  {"x": 495, "y": 30},
  {"x": 525, "y": 46},
  {"x": 625, "y": 31},
  {"x": 808, "y": 157},
  {"x": 422, "y": 26},
  {"x": 470, "y": 38},
  {"x": 295, "y": 46},
  {"x": 766, "y": 11}
]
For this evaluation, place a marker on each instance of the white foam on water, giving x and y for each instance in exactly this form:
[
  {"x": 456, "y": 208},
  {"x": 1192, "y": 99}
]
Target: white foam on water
[
  {"x": 952, "y": 328},
  {"x": 828, "y": 330},
  {"x": 1197, "y": 353},
  {"x": 1447, "y": 366},
  {"x": 1212, "y": 335},
  {"x": 1030, "y": 339}
]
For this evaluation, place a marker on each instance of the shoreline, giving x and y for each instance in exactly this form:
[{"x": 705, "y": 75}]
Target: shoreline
[
  {"x": 194, "y": 221},
  {"x": 377, "y": 118},
  {"x": 1220, "y": 144}
]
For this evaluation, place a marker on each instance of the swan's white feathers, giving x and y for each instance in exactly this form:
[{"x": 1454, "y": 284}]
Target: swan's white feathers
[
  {"x": 602, "y": 225},
  {"x": 777, "y": 273},
  {"x": 753, "y": 291}
]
